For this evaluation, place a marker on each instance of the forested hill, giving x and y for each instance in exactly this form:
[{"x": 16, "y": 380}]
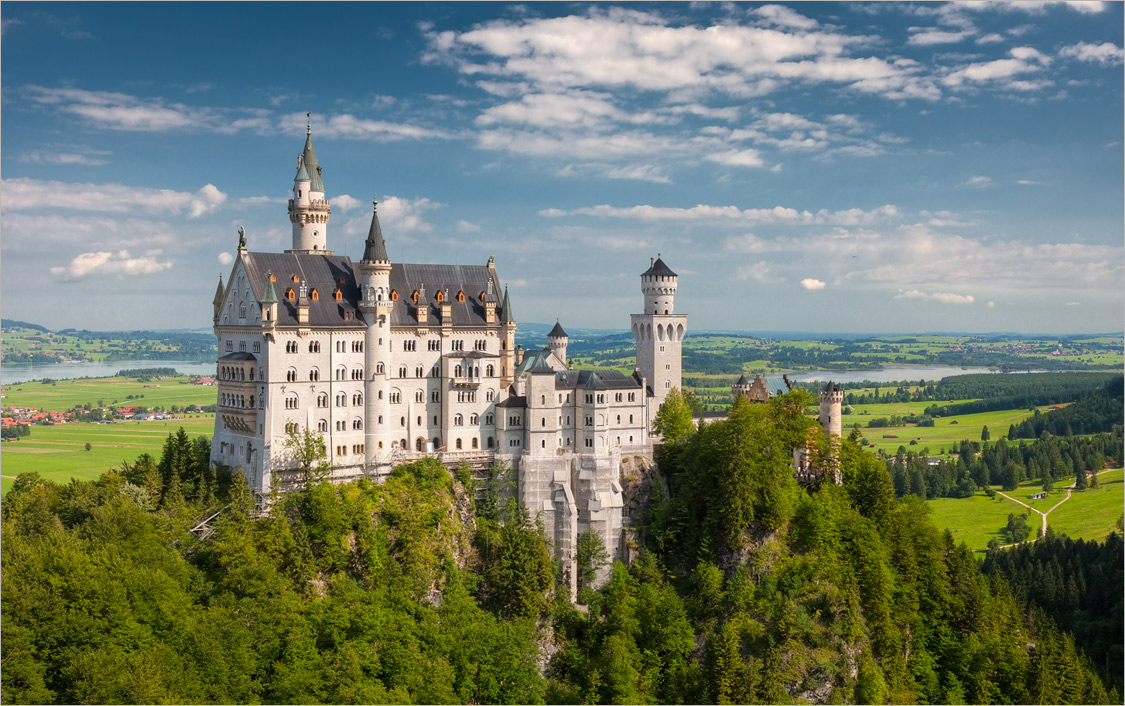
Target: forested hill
[{"x": 747, "y": 588}]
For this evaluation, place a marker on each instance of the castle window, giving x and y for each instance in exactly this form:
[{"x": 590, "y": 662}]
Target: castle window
[
  {"x": 419, "y": 372},
  {"x": 341, "y": 400},
  {"x": 322, "y": 401},
  {"x": 290, "y": 294},
  {"x": 488, "y": 418},
  {"x": 489, "y": 370},
  {"x": 291, "y": 375},
  {"x": 257, "y": 348},
  {"x": 458, "y": 420},
  {"x": 314, "y": 295},
  {"x": 458, "y": 444},
  {"x": 396, "y": 398},
  {"x": 357, "y": 399},
  {"x": 618, "y": 397},
  {"x": 619, "y": 421},
  {"x": 440, "y": 296},
  {"x": 482, "y": 296},
  {"x": 489, "y": 395},
  {"x": 402, "y": 371},
  {"x": 357, "y": 423},
  {"x": 296, "y": 278},
  {"x": 435, "y": 396},
  {"x": 314, "y": 346},
  {"x": 460, "y": 296},
  {"x": 632, "y": 396},
  {"x": 273, "y": 277},
  {"x": 474, "y": 419},
  {"x": 630, "y": 421},
  {"x": 339, "y": 295},
  {"x": 314, "y": 375},
  {"x": 291, "y": 402},
  {"x": 322, "y": 425},
  {"x": 290, "y": 428},
  {"x": 475, "y": 444},
  {"x": 488, "y": 442},
  {"x": 414, "y": 296},
  {"x": 419, "y": 396},
  {"x": 394, "y": 295},
  {"x": 379, "y": 368}
]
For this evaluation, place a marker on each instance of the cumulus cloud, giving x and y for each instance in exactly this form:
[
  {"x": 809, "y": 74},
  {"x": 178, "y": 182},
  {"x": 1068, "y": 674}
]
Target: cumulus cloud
[
  {"x": 120, "y": 111},
  {"x": 225, "y": 258},
  {"x": 26, "y": 193},
  {"x": 344, "y": 202},
  {"x": 1105, "y": 54},
  {"x": 348, "y": 126},
  {"x": 406, "y": 215},
  {"x": 108, "y": 264},
  {"x": 928, "y": 36},
  {"x": 813, "y": 284},
  {"x": 466, "y": 227}
]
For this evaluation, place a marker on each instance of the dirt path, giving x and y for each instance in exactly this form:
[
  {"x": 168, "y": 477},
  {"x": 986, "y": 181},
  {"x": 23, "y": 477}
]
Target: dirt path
[{"x": 1068, "y": 489}]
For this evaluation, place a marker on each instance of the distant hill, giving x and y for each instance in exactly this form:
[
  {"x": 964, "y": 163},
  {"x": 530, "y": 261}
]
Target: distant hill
[{"x": 14, "y": 323}]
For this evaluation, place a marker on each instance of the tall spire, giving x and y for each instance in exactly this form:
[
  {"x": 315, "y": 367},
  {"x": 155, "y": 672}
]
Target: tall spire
[
  {"x": 506, "y": 310},
  {"x": 270, "y": 296},
  {"x": 219, "y": 292},
  {"x": 375, "y": 249},
  {"x": 308, "y": 157}
]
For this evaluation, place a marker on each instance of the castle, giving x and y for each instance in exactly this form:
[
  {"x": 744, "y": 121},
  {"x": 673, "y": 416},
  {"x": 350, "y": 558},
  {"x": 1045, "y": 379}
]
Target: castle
[{"x": 391, "y": 362}]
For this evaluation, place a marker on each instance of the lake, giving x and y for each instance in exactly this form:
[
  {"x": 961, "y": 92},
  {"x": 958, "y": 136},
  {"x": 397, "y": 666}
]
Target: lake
[
  {"x": 12, "y": 374},
  {"x": 921, "y": 372}
]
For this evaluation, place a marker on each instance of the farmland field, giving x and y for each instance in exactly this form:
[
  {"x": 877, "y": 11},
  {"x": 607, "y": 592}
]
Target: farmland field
[
  {"x": 66, "y": 394},
  {"x": 1092, "y": 514},
  {"x": 977, "y": 519},
  {"x": 58, "y": 452},
  {"x": 941, "y": 435}
]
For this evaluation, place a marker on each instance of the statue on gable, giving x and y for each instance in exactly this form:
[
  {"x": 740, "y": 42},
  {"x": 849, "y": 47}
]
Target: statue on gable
[{"x": 241, "y": 238}]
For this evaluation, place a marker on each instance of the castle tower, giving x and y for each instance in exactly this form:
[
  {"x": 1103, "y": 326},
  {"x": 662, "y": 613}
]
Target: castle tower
[
  {"x": 659, "y": 333},
  {"x": 308, "y": 209},
  {"x": 831, "y": 420},
  {"x": 557, "y": 340},
  {"x": 508, "y": 360},
  {"x": 831, "y": 408},
  {"x": 375, "y": 305},
  {"x": 740, "y": 387},
  {"x": 220, "y": 293}
]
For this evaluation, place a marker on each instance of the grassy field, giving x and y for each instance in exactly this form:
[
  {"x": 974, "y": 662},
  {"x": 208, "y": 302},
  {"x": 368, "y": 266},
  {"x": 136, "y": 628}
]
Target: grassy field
[
  {"x": 66, "y": 394},
  {"x": 1093, "y": 513},
  {"x": 100, "y": 345},
  {"x": 941, "y": 435},
  {"x": 977, "y": 519},
  {"x": 59, "y": 453}
]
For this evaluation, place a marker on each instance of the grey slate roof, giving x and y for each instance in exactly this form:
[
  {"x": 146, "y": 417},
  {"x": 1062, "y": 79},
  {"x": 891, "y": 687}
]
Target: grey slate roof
[
  {"x": 776, "y": 384},
  {"x": 240, "y": 355},
  {"x": 327, "y": 273},
  {"x": 595, "y": 379},
  {"x": 219, "y": 292},
  {"x": 513, "y": 401},
  {"x": 741, "y": 380},
  {"x": 658, "y": 269},
  {"x": 557, "y": 331},
  {"x": 308, "y": 160},
  {"x": 506, "y": 310}
]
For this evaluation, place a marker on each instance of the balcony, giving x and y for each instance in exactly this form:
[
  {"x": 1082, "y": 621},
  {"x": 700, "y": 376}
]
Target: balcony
[{"x": 240, "y": 419}]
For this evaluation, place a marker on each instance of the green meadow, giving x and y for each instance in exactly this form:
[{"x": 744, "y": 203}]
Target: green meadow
[
  {"x": 1092, "y": 514},
  {"x": 941, "y": 435},
  {"x": 67, "y": 394},
  {"x": 976, "y": 520},
  {"x": 58, "y": 452}
]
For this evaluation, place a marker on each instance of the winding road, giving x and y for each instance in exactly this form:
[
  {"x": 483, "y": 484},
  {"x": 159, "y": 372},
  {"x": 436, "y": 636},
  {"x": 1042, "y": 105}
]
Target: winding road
[{"x": 1044, "y": 514}]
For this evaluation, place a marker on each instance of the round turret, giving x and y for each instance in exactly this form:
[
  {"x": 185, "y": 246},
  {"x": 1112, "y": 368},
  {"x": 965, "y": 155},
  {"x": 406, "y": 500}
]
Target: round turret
[
  {"x": 658, "y": 284},
  {"x": 557, "y": 340},
  {"x": 831, "y": 409}
]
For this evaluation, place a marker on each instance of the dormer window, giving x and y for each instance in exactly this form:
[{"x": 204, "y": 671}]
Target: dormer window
[
  {"x": 394, "y": 295},
  {"x": 273, "y": 277},
  {"x": 482, "y": 296},
  {"x": 440, "y": 296},
  {"x": 290, "y": 294},
  {"x": 314, "y": 295},
  {"x": 415, "y": 296},
  {"x": 296, "y": 278},
  {"x": 339, "y": 295}
]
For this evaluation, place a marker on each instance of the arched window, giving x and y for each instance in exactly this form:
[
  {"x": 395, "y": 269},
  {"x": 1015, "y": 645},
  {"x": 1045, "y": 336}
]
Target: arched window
[
  {"x": 290, "y": 294},
  {"x": 414, "y": 296},
  {"x": 488, "y": 395},
  {"x": 475, "y": 444},
  {"x": 458, "y": 420},
  {"x": 460, "y": 296},
  {"x": 482, "y": 296},
  {"x": 357, "y": 399},
  {"x": 291, "y": 375},
  {"x": 341, "y": 400},
  {"x": 322, "y": 425},
  {"x": 394, "y": 295},
  {"x": 419, "y": 444},
  {"x": 339, "y": 295},
  {"x": 322, "y": 399},
  {"x": 474, "y": 419},
  {"x": 489, "y": 370},
  {"x": 458, "y": 444},
  {"x": 314, "y": 295},
  {"x": 440, "y": 296},
  {"x": 357, "y": 423},
  {"x": 379, "y": 368}
]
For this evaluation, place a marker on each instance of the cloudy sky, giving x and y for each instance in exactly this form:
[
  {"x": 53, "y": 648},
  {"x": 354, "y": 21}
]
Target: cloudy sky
[{"x": 825, "y": 167}]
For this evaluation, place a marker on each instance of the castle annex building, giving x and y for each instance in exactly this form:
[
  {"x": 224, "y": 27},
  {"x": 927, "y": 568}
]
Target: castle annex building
[{"x": 391, "y": 361}]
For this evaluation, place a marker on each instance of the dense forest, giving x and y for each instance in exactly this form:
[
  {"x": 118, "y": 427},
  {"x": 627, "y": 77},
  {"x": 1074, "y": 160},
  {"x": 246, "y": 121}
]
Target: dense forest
[
  {"x": 1078, "y": 584},
  {"x": 433, "y": 587},
  {"x": 980, "y": 464},
  {"x": 1095, "y": 412}
]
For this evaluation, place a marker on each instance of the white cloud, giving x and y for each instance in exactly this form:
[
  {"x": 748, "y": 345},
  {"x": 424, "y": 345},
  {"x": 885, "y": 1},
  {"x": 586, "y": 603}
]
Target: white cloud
[
  {"x": 991, "y": 305},
  {"x": 1024, "y": 60},
  {"x": 784, "y": 17},
  {"x": 760, "y": 271},
  {"x": 977, "y": 181},
  {"x": 738, "y": 158},
  {"x": 25, "y": 193},
  {"x": 348, "y": 126},
  {"x": 66, "y": 155},
  {"x": 1086, "y": 7},
  {"x": 1106, "y": 53},
  {"x": 119, "y": 111},
  {"x": 991, "y": 38},
  {"x": 108, "y": 264},
  {"x": 731, "y": 214},
  {"x": 812, "y": 284},
  {"x": 466, "y": 227},
  {"x": 344, "y": 202},
  {"x": 225, "y": 258},
  {"x": 405, "y": 215},
  {"x": 1073, "y": 303},
  {"x": 944, "y": 297},
  {"x": 928, "y": 36}
]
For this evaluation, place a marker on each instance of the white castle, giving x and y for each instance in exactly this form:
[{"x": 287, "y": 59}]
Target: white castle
[{"x": 391, "y": 362}]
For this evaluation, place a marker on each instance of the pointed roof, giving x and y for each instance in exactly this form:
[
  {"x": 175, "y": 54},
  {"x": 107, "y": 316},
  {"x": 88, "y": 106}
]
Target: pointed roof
[
  {"x": 219, "y": 291},
  {"x": 506, "y": 310},
  {"x": 658, "y": 269},
  {"x": 271, "y": 294},
  {"x": 302, "y": 173},
  {"x": 557, "y": 331},
  {"x": 375, "y": 250},
  {"x": 741, "y": 380},
  {"x": 308, "y": 159}
]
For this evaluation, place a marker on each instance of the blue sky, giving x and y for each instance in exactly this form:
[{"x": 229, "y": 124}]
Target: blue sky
[{"x": 828, "y": 167}]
